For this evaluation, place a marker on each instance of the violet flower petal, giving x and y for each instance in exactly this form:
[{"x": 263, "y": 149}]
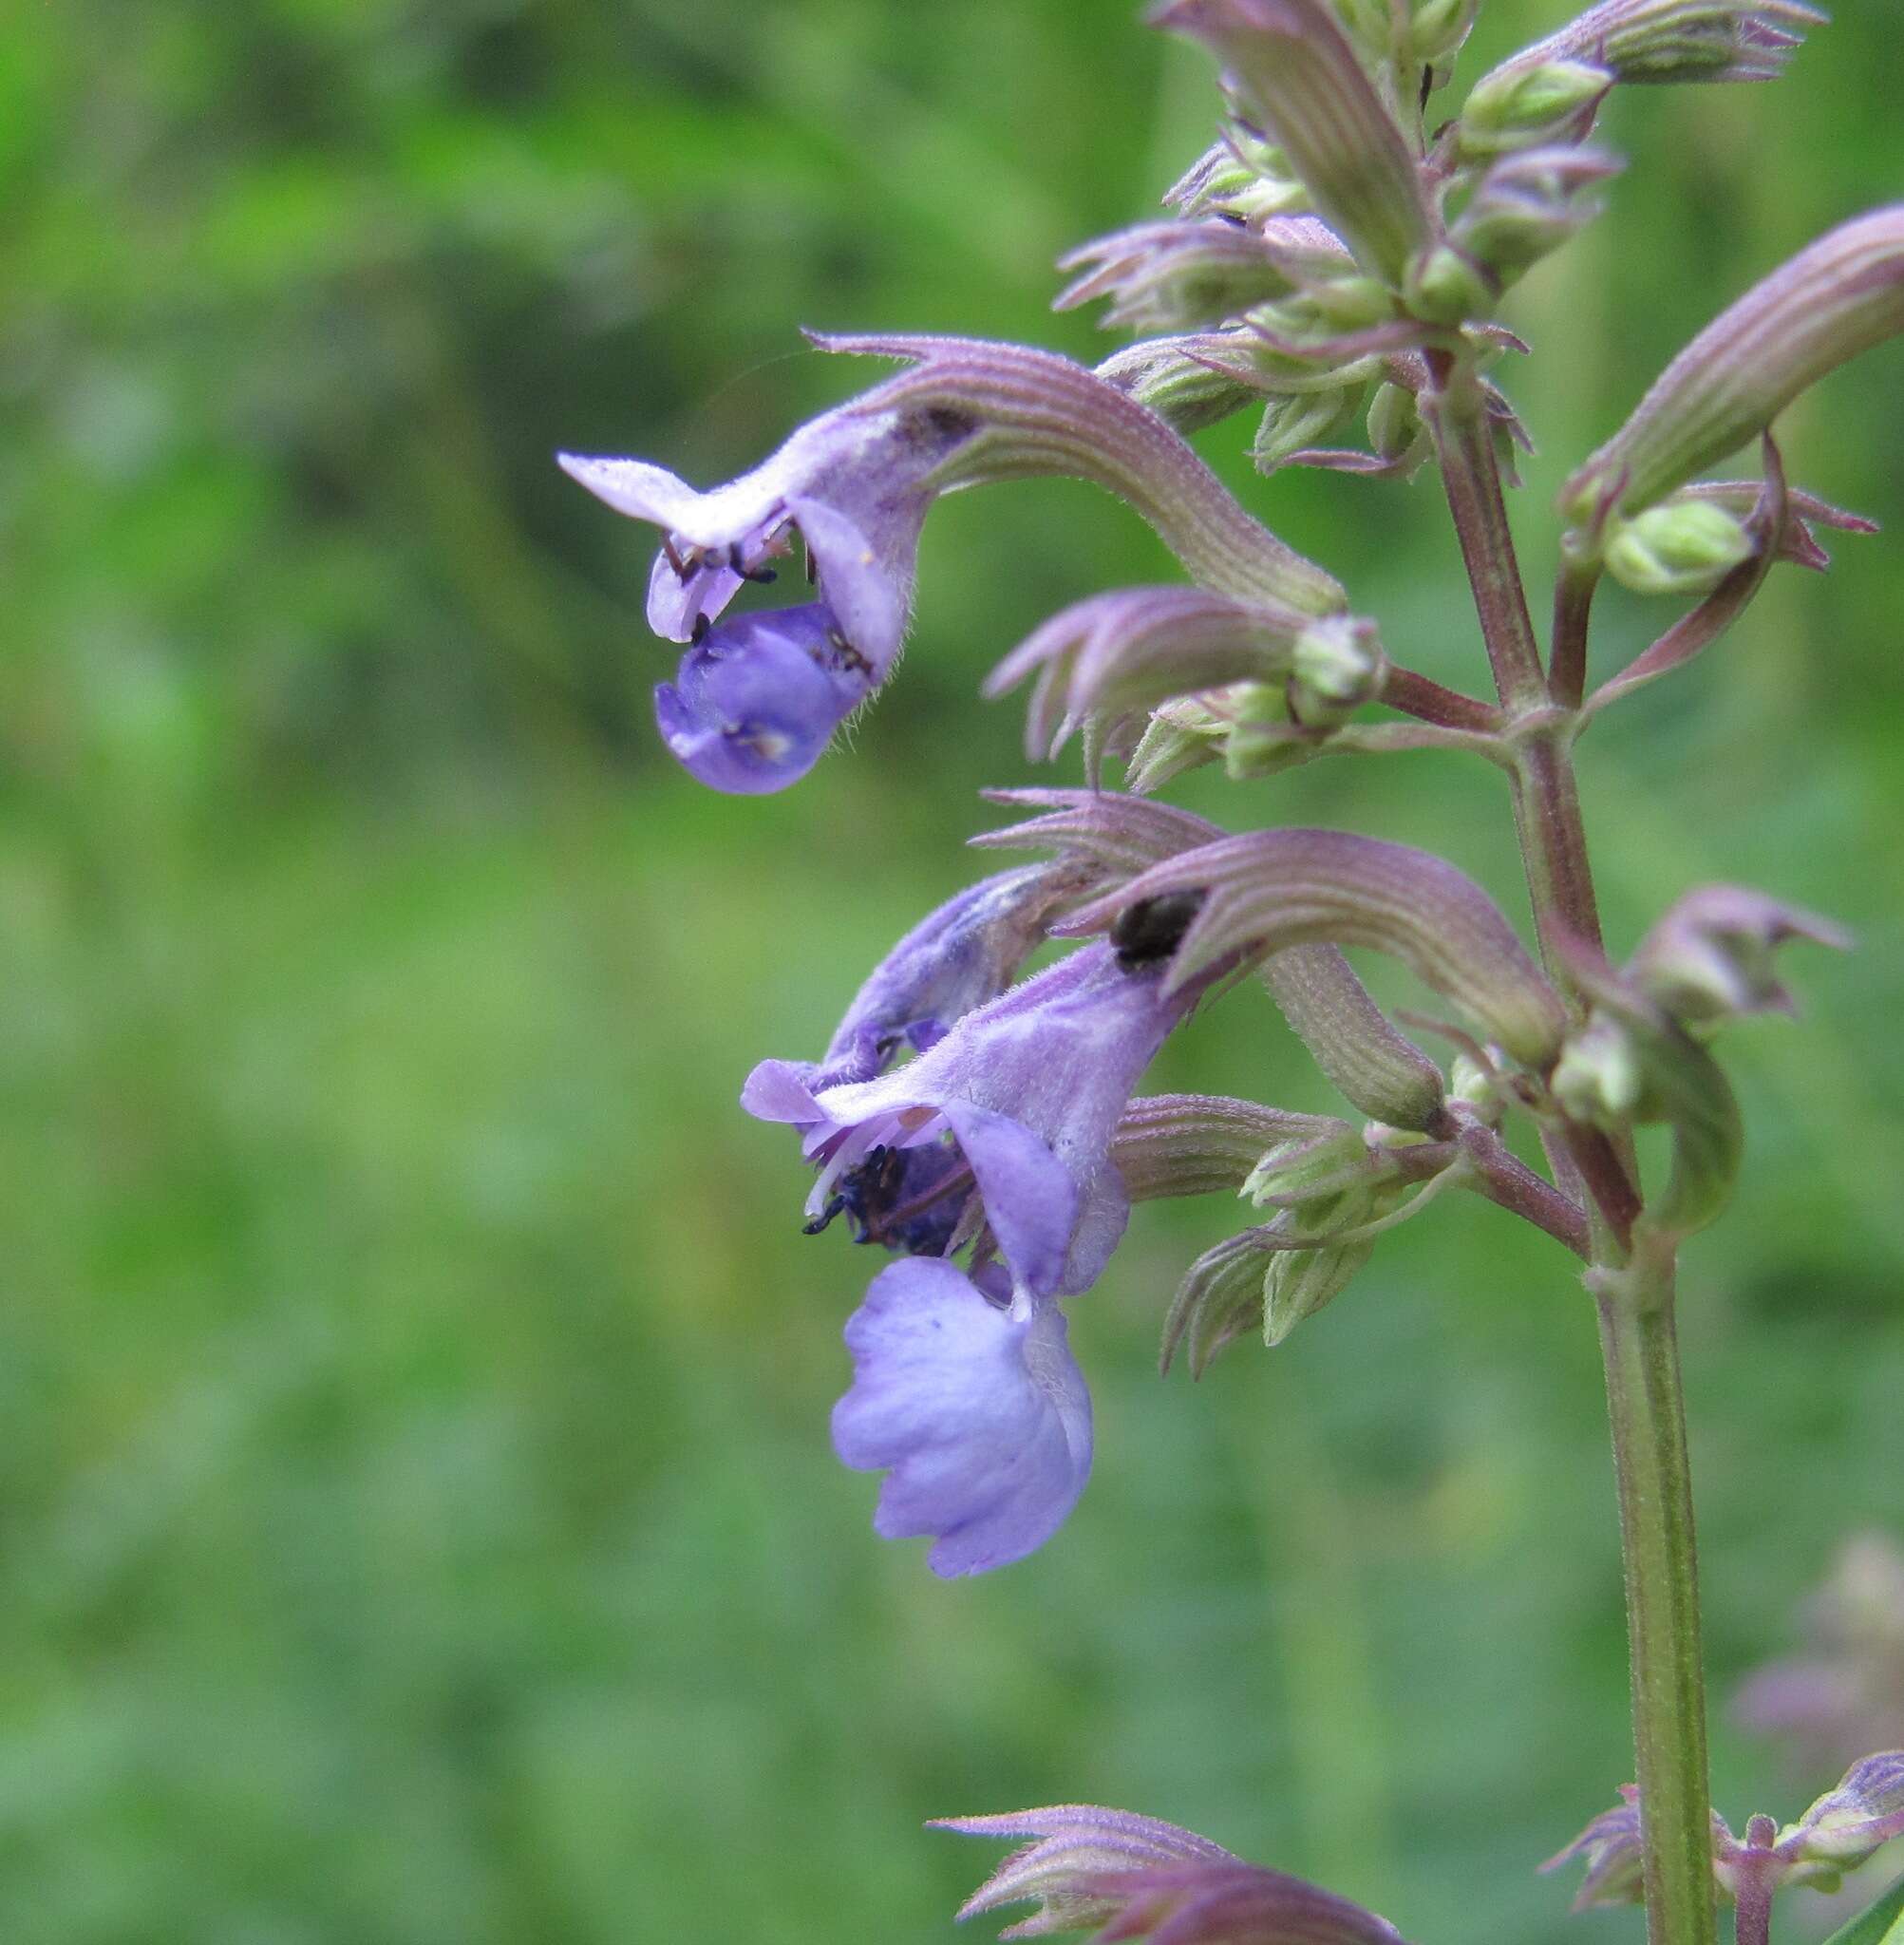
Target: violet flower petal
[
  {"x": 756, "y": 700},
  {"x": 978, "y": 1415}
]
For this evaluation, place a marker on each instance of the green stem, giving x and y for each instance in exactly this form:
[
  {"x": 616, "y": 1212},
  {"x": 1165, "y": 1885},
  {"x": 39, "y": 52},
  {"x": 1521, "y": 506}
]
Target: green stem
[
  {"x": 1644, "y": 1404},
  {"x": 1633, "y": 1280}
]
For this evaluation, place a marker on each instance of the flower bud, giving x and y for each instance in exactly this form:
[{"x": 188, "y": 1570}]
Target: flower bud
[
  {"x": 1599, "y": 1078},
  {"x": 1528, "y": 204},
  {"x": 1184, "y": 390},
  {"x": 1681, "y": 547},
  {"x": 1240, "y": 177},
  {"x": 1710, "y": 957},
  {"x": 1335, "y": 665},
  {"x": 1197, "y": 1144},
  {"x": 1437, "y": 30},
  {"x": 1181, "y": 735},
  {"x": 1300, "y": 1282},
  {"x": 1444, "y": 286},
  {"x": 1651, "y": 41},
  {"x": 1518, "y": 106},
  {"x": 1297, "y": 75},
  {"x": 1395, "y": 425},
  {"x": 1478, "y": 1088},
  {"x": 1174, "y": 277},
  {"x": 1295, "y": 420},
  {"x": 1262, "y": 738},
  {"x": 1218, "y": 1301},
  {"x": 1838, "y": 297},
  {"x": 1300, "y": 1167},
  {"x": 1633, "y": 1062}
]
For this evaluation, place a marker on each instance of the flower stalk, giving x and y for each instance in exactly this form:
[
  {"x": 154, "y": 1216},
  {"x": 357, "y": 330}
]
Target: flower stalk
[{"x": 1633, "y": 1286}]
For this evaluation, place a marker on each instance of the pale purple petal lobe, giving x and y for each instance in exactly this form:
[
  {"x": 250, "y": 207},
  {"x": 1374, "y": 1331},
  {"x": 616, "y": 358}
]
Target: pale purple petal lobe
[{"x": 978, "y": 1415}]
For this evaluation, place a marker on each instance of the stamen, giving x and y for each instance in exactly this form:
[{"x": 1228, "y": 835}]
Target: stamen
[
  {"x": 762, "y": 576},
  {"x": 680, "y": 566},
  {"x": 699, "y": 632},
  {"x": 825, "y": 1216}
]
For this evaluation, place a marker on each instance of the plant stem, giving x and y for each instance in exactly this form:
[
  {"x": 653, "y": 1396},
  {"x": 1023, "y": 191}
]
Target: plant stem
[
  {"x": 1644, "y": 1404},
  {"x": 1632, "y": 1281},
  {"x": 1573, "y": 607}
]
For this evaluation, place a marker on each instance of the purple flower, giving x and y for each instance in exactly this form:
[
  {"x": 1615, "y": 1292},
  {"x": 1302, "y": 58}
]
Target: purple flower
[
  {"x": 1028, "y": 1088},
  {"x": 964, "y": 1390},
  {"x": 975, "y": 1410},
  {"x": 756, "y": 699}
]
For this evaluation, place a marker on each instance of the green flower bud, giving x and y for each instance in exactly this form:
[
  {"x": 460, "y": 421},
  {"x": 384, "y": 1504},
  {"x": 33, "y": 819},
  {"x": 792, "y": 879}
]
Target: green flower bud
[
  {"x": 1394, "y": 420},
  {"x": 1301, "y": 1282},
  {"x": 1301, "y": 1170},
  {"x": 1446, "y": 287},
  {"x": 1528, "y": 204},
  {"x": 1599, "y": 1078},
  {"x": 1183, "y": 391},
  {"x": 1437, "y": 30},
  {"x": 1474, "y": 1087},
  {"x": 1335, "y": 665},
  {"x": 1652, "y": 40},
  {"x": 1683, "y": 547},
  {"x": 1292, "y": 422},
  {"x": 1352, "y": 303},
  {"x": 1515, "y": 108},
  {"x": 1181, "y": 735},
  {"x": 1260, "y": 743}
]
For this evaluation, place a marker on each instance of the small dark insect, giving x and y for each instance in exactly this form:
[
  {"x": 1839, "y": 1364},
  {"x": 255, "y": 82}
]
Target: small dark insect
[{"x": 1154, "y": 927}]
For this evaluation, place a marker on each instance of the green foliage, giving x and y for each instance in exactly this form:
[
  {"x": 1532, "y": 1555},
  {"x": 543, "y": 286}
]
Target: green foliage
[{"x": 419, "y": 1525}]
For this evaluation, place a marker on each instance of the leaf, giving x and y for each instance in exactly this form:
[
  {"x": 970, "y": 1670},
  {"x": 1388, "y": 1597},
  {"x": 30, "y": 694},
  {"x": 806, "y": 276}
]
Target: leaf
[{"x": 1880, "y": 1925}]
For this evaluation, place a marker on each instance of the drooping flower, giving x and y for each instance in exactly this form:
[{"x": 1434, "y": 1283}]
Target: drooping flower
[
  {"x": 758, "y": 698},
  {"x": 965, "y": 1392}
]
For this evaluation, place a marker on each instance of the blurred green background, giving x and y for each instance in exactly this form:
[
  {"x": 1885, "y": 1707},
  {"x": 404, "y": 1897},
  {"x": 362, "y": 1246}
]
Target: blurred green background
[{"x": 420, "y": 1524}]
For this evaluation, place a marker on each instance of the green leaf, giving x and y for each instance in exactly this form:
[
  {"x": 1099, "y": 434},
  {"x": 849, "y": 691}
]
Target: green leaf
[{"x": 1882, "y": 1924}]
